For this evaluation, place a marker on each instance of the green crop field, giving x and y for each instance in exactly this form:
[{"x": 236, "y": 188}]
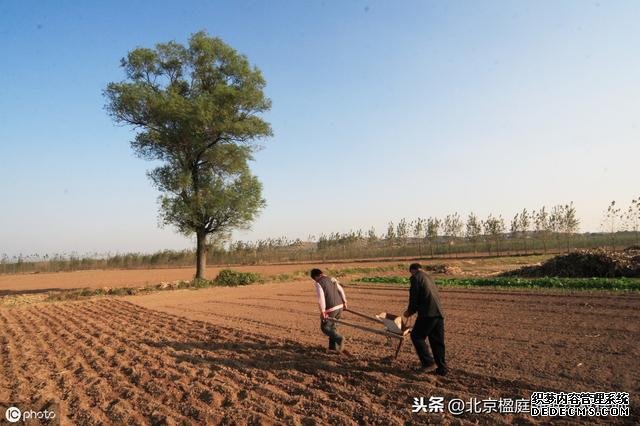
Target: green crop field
[{"x": 614, "y": 284}]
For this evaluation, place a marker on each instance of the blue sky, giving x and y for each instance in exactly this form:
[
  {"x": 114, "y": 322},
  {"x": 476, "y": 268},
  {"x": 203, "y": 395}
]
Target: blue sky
[{"x": 381, "y": 110}]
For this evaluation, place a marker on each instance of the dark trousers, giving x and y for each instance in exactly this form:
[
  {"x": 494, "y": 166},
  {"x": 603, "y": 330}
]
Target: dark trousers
[
  {"x": 432, "y": 328},
  {"x": 329, "y": 328}
]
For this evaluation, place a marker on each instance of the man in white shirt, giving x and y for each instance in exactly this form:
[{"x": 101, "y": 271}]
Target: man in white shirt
[{"x": 331, "y": 301}]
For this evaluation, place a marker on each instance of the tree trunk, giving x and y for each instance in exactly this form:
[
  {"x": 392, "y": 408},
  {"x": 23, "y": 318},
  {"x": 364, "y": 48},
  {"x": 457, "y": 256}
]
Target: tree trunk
[{"x": 201, "y": 254}]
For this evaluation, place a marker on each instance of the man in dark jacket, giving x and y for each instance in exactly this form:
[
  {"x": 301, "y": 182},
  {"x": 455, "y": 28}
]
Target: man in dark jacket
[
  {"x": 424, "y": 300},
  {"x": 331, "y": 301}
]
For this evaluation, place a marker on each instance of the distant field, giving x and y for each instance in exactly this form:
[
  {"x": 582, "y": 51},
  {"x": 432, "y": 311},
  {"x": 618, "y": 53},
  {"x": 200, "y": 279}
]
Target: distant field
[{"x": 41, "y": 282}]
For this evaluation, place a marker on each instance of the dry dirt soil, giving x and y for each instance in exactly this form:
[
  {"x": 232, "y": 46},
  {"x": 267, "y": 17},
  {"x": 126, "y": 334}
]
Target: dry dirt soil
[
  {"x": 34, "y": 283},
  {"x": 255, "y": 355},
  {"x": 42, "y": 282}
]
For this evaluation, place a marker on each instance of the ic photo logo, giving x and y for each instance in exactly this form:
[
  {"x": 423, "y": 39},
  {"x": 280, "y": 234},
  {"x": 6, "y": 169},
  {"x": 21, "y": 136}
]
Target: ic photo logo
[{"x": 13, "y": 414}]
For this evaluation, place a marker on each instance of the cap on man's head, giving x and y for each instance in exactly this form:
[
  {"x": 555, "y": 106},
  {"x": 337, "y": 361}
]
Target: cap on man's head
[
  {"x": 415, "y": 267},
  {"x": 315, "y": 273}
]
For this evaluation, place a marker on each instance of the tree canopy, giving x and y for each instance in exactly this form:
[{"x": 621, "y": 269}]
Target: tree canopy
[{"x": 197, "y": 110}]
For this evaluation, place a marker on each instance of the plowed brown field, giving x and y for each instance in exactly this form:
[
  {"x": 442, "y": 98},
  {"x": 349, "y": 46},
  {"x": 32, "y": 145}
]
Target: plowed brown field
[
  {"x": 255, "y": 355},
  {"x": 42, "y": 282}
]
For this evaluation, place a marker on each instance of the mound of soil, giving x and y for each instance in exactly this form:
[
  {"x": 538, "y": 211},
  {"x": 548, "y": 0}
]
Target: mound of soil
[
  {"x": 586, "y": 264},
  {"x": 443, "y": 269}
]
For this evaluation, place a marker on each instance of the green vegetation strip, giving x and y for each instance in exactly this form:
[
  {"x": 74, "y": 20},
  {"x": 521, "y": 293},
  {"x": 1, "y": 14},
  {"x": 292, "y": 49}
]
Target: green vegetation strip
[{"x": 621, "y": 284}]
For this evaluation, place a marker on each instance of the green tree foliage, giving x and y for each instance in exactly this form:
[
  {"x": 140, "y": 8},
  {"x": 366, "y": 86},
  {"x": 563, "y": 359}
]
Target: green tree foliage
[
  {"x": 402, "y": 231},
  {"x": 418, "y": 227},
  {"x": 570, "y": 223},
  {"x": 433, "y": 231},
  {"x": 359, "y": 244},
  {"x": 525, "y": 223},
  {"x": 515, "y": 227},
  {"x": 610, "y": 222},
  {"x": 542, "y": 228},
  {"x": 337, "y": 239},
  {"x": 390, "y": 237},
  {"x": 493, "y": 228},
  {"x": 633, "y": 217},
  {"x": 520, "y": 227},
  {"x": 473, "y": 230},
  {"x": 372, "y": 238},
  {"x": 556, "y": 220},
  {"x": 196, "y": 109},
  {"x": 452, "y": 228}
]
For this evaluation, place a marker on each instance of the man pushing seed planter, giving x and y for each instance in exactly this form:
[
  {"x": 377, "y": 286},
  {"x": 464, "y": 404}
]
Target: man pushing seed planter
[
  {"x": 331, "y": 301},
  {"x": 424, "y": 300}
]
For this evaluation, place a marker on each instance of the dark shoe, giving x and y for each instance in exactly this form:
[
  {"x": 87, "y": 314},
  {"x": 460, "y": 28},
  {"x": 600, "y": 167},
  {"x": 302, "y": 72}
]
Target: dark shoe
[
  {"x": 441, "y": 371},
  {"x": 425, "y": 367}
]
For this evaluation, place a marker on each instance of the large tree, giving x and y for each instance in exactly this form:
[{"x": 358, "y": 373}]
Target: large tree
[{"x": 196, "y": 109}]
